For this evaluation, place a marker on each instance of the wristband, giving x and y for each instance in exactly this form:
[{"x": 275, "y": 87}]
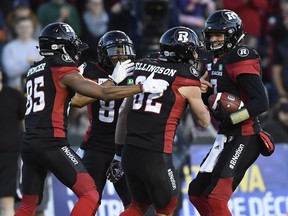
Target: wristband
[
  {"x": 111, "y": 80},
  {"x": 119, "y": 149},
  {"x": 239, "y": 116}
]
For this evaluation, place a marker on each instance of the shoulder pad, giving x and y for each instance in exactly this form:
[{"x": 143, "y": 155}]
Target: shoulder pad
[
  {"x": 241, "y": 53},
  {"x": 62, "y": 60}
]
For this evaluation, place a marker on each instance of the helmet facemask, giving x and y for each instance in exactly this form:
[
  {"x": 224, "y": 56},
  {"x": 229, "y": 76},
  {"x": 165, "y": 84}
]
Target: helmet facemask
[
  {"x": 115, "y": 46},
  {"x": 120, "y": 52},
  {"x": 75, "y": 48}
]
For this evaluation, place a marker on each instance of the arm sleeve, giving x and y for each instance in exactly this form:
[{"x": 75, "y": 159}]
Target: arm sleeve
[{"x": 253, "y": 87}]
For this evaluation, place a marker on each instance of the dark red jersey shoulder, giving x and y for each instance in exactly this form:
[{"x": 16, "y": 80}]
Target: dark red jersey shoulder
[{"x": 241, "y": 53}]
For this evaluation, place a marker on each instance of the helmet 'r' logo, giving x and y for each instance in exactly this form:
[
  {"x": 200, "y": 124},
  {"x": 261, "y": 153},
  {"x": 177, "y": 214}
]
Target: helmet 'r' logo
[
  {"x": 230, "y": 15},
  {"x": 182, "y": 36},
  {"x": 68, "y": 28}
]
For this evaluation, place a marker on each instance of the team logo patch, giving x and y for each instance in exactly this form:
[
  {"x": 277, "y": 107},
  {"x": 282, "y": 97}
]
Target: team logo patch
[
  {"x": 130, "y": 81},
  {"x": 194, "y": 72},
  {"x": 220, "y": 67},
  {"x": 243, "y": 52},
  {"x": 66, "y": 58}
]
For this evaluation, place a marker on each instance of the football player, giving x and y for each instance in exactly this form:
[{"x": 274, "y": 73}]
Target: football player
[
  {"x": 235, "y": 69},
  {"x": 152, "y": 121},
  {"x": 50, "y": 84},
  {"x": 98, "y": 146}
]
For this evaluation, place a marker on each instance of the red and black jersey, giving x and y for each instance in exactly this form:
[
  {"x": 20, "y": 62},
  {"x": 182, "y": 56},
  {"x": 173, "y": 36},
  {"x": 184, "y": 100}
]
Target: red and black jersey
[
  {"x": 153, "y": 120},
  {"x": 228, "y": 74},
  {"x": 47, "y": 102},
  {"x": 103, "y": 115}
]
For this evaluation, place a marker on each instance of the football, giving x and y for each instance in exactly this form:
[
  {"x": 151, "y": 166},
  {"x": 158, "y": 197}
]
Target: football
[{"x": 230, "y": 102}]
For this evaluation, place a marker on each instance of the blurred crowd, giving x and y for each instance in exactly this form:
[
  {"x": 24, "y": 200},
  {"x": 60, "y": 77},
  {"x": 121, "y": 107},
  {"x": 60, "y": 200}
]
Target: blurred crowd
[{"x": 265, "y": 23}]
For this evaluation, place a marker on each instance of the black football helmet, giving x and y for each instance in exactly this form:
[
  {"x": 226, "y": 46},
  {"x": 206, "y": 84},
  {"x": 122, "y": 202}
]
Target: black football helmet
[
  {"x": 226, "y": 22},
  {"x": 115, "y": 44},
  {"x": 60, "y": 37},
  {"x": 180, "y": 44}
]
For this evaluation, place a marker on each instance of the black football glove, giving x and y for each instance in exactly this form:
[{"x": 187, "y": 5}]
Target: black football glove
[
  {"x": 115, "y": 171},
  {"x": 221, "y": 115}
]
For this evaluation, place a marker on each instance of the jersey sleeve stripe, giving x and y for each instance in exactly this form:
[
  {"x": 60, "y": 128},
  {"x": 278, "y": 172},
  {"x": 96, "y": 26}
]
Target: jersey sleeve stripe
[{"x": 251, "y": 66}]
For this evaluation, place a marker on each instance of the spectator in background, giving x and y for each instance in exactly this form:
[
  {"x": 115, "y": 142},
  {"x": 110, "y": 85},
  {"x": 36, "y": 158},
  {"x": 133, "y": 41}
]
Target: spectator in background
[
  {"x": 35, "y": 4},
  {"x": 59, "y": 11},
  {"x": 193, "y": 13},
  {"x": 152, "y": 18},
  {"x": 2, "y": 34},
  {"x": 277, "y": 122},
  {"x": 20, "y": 53},
  {"x": 12, "y": 111},
  {"x": 95, "y": 21},
  {"x": 280, "y": 63},
  {"x": 119, "y": 14},
  {"x": 252, "y": 13},
  {"x": 21, "y": 8}
]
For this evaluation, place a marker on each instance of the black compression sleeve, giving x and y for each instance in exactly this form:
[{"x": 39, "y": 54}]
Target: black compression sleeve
[{"x": 253, "y": 86}]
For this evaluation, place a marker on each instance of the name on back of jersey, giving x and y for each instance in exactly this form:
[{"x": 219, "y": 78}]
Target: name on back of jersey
[
  {"x": 36, "y": 69},
  {"x": 156, "y": 69}
]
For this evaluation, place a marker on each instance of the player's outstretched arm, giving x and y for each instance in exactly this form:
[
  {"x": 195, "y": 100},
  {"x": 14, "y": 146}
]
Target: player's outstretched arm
[
  {"x": 91, "y": 89},
  {"x": 80, "y": 101},
  {"x": 120, "y": 72}
]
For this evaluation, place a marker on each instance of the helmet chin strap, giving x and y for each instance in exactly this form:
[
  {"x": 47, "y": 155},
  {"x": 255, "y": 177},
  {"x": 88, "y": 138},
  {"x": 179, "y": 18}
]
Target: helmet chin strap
[{"x": 239, "y": 39}]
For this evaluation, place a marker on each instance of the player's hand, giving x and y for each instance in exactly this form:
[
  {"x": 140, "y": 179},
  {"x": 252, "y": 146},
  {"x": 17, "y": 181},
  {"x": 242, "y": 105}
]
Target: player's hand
[
  {"x": 154, "y": 85},
  {"x": 122, "y": 70},
  {"x": 115, "y": 171},
  {"x": 220, "y": 114},
  {"x": 204, "y": 83}
]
